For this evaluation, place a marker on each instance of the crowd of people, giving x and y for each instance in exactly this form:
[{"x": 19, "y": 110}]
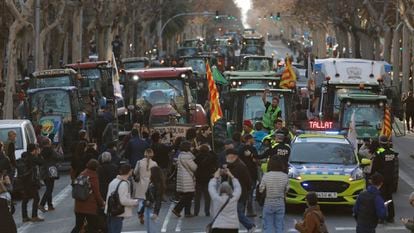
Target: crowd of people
[{"x": 109, "y": 186}]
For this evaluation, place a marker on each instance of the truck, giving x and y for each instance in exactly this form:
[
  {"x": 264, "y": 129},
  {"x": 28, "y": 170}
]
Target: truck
[
  {"x": 161, "y": 97},
  {"x": 256, "y": 63},
  {"x": 252, "y": 45},
  {"x": 243, "y": 98}
]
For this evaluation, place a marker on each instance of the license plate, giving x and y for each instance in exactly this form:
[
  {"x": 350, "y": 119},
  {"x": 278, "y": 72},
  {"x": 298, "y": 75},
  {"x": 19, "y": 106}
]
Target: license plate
[{"x": 326, "y": 195}]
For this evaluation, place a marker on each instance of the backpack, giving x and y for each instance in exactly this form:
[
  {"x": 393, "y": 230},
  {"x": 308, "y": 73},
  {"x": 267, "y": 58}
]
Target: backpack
[
  {"x": 81, "y": 188},
  {"x": 115, "y": 207},
  {"x": 22, "y": 168}
]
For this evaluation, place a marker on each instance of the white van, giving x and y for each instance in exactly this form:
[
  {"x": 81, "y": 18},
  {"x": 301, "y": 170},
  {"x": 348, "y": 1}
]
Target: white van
[{"x": 25, "y": 134}]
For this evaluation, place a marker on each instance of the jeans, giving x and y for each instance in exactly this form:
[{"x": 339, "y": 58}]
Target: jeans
[
  {"x": 115, "y": 224},
  {"x": 273, "y": 217},
  {"x": 365, "y": 229},
  {"x": 35, "y": 196},
  {"x": 151, "y": 225},
  {"x": 92, "y": 226},
  {"x": 202, "y": 190},
  {"x": 246, "y": 222},
  {"x": 47, "y": 196},
  {"x": 386, "y": 193},
  {"x": 140, "y": 207},
  {"x": 184, "y": 203}
]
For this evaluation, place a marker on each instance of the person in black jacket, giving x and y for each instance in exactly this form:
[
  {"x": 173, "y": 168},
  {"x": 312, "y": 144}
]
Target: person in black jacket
[
  {"x": 50, "y": 158},
  {"x": 207, "y": 164},
  {"x": 31, "y": 182},
  {"x": 161, "y": 151},
  {"x": 107, "y": 171},
  {"x": 153, "y": 199},
  {"x": 241, "y": 172}
]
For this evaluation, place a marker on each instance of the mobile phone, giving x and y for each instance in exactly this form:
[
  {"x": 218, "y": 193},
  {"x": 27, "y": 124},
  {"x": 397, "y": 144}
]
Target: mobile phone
[{"x": 387, "y": 202}]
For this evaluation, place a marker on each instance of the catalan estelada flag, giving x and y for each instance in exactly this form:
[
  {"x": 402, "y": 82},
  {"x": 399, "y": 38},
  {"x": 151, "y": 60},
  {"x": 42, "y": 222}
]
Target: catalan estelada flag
[
  {"x": 288, "y": 80},
  {"x": 215, "y": 109},
  {"x": 386, "y": 125}
]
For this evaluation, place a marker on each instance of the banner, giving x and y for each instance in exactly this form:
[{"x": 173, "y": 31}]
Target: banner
[{"x": 52, "y": 127}]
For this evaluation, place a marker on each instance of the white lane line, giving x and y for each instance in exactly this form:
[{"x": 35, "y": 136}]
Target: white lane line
[
  {"x": 134, "y": 232},
  {"x": 179, "y": 223},
  {"x": 167, "y": 218},
  {"x": 57, "y": 200},
  {"x": 378, "y": 228},
  {"x": 406, "y": 178}
]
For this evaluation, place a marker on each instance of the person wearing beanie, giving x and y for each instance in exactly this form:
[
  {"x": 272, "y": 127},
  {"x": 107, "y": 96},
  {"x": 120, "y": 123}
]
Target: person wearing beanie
[{"x": 247, "y": 127}]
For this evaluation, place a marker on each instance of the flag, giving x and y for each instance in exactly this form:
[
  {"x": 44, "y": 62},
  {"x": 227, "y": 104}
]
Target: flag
[
  {"x": 386, "y": 125},
  {"x": 215, "y": 110},
  {"x": 288, "y": 76},
  {"x": 115, "y": 79},
  {"x": 352, "y": 134}
]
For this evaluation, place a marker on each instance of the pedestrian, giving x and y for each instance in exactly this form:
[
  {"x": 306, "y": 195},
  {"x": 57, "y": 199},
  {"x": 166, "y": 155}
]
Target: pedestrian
[
  {"x": 228, "y": 144},
  {"x": 117, "y": 48},
  {"x": 258, "y": 135},
  {"x": 107, "y": 171},
  {"x": 31, "y": 182},
  {"x": 224, "y": 202},
  {"x": 272, "y": 111},
  {"x": 91, "y": 104},
  {"x": 88, "y": 210},
  {"x": 135, "y": 148},
  {"x": 384, "y": 163},
  {"x": 207, "y": 164},
  {"x": 153, "y": 199},
  {"x": 186, "y": 168},
  {"x": 6, "y": 206},
  {"x": 247, "y": 127},
  {"x": 248, "y": 154},
  {"x": 111, "y": 148},
  {"x": 121, "y": 185},
  {"x": 313, "y": 220},
  {"x": 409, "y": 110},
  {"x": 241, "y": 172},
  {"x": 280, "y": 149},
  {"x": 237, "y": 140},
  {"x": 50, "y": 174},
  {"x": 161, "y": 152},
  {"x": 369, "y": 207},
  {"x": 5, "y": 165},
  {"x": 142, "y": 174},
  {"x": 9, "y": 150},
  {"x": 79, "y": 160},
  {"x": 274, "y": 184},
  {"x": 91, "y": 151}
]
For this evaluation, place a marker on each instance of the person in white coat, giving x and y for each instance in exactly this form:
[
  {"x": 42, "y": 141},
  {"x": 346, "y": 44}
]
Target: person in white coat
[
  {"x": 121, "y": 182},
  {"x": 142, "y": 174},
  {"x": 227, "y": 220},
  {"x": 186, "y": 168}
]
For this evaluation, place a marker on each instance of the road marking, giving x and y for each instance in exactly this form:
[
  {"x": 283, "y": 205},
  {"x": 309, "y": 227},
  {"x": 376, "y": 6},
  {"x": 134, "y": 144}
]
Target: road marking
[
  {"x": 179, "y": 223},
  {"x": 167, "y": 218},
  {"x": 379, "y": 228},
  {"x": 134, "y": 232},
  {"x": 57, "y": 200},
  {"x": 406, "y": 178}
]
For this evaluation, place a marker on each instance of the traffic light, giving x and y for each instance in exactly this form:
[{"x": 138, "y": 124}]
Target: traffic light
[
  {"x": 217, "y": 15},
  {"x": 278, "y": 16}
]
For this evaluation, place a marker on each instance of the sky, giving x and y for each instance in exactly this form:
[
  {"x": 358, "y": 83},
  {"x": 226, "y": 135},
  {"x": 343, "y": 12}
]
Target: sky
[{"x": 245, "y": 6}]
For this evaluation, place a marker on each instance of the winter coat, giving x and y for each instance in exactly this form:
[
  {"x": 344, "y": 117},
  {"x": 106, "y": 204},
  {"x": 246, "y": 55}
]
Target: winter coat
[
  {"x": 207, "y": 164},
  {"x": 95, "y": 200},
  {"x": 153, "y": 198},
  {"x": 161, "y": 154},
  {"x": 227, "y": 219},
  {"x": 144, "y": 173},
  {"x": 124, "y": 196},
  {"x": 241, "y": 172},
  {"x": 135, "y": 149},
  {"x": 186, "y": 168},
  {"x": 31, "y": 182},
  {"x": 249, "y": 160},
  {"x": 312, "y": 221},
  {"x": 106, "y": 173},
  {"x": 50, "y": 158}
]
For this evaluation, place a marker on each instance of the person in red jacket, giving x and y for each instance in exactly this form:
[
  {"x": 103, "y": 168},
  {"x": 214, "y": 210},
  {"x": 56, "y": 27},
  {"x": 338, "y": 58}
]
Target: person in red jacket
[{"x": 89, "y": 209}]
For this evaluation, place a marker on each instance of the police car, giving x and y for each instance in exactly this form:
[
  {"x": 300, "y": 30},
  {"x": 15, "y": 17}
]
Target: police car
[{"x": 325, "y": 164}]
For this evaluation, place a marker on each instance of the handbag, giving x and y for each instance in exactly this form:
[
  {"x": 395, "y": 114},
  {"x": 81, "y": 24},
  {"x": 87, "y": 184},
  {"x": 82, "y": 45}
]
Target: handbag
[
  {"x": 136, "y": 176},
  {"x": 115, "y": 207},
  {"x": 52, "y": 172},
  {"x": 260, "y": 196},
  {"x": 209, "y": 227}
]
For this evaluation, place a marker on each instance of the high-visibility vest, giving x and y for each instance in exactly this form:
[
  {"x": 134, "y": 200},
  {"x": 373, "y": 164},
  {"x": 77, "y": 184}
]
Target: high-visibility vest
[
  {"x": 251, "y": 132},
  {"x": 269, "y": 117}
]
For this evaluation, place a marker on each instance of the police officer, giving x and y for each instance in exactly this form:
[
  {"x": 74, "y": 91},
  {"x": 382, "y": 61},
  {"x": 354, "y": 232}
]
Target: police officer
[
  {"x": 383, "y": 163},
  {"x": 280, "y": 150},
  {"x": 272, "y": 111}
]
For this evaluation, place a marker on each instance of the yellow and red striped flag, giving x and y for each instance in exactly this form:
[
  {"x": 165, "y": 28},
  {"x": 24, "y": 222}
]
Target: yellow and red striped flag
[
  {"x": 288, "y": 80},
  {"x": 215, "y": 109},
  {"x": 386, "y": 125}
]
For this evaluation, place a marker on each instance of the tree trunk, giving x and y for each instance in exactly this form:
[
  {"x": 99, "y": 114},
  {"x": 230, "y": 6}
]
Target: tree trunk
[
  {"x": 65, "y": 57},
  {"x": 378, "y": 49},
  {"x": 100, "y": 43},
  {"x": 76, "y": 36},
  {"x": 387, "y": 44},
  {"x": 396, "y": 58},
  {"x": 367, "y": 46},
  {"x": 10, "y": 90},
  {"x": 406, "y": 44},
  {"x": 356, "y": 45}
]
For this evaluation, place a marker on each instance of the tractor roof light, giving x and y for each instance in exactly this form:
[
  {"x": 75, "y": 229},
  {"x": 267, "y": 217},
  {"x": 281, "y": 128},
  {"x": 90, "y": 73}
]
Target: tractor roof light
[{"x": 135, "y": 77}]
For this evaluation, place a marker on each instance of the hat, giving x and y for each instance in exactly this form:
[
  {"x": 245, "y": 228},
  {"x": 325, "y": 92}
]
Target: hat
[
  {"x": 228, "y": 142},
  {"x": 248, "y": 123}
]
